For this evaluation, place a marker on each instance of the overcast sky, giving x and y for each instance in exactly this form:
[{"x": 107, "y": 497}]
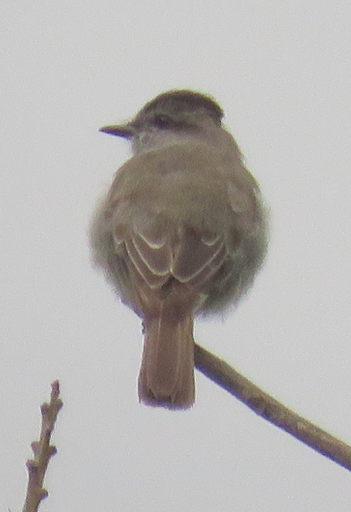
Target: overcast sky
[{"x": 282, "y": 71}]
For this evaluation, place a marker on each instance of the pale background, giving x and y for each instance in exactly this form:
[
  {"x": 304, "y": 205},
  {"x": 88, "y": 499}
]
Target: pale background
[{"x": 282, "y": 71}]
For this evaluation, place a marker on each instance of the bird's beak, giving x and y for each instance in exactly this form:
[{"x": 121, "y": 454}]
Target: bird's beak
[{"x": 120, "y": 130}]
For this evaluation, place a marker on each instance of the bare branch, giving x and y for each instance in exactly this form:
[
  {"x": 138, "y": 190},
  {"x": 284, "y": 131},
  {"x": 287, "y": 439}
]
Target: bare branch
[
  {"x": 43, "y": 451},
  {"x": 264, "y": 405}
]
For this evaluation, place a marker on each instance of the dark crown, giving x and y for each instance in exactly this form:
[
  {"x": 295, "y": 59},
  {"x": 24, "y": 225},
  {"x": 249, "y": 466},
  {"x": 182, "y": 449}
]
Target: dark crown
[{"x": 174, "y": 101}]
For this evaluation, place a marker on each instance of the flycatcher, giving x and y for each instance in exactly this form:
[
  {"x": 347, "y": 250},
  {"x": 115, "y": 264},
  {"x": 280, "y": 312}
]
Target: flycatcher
[{"x": 181, "y": 232}]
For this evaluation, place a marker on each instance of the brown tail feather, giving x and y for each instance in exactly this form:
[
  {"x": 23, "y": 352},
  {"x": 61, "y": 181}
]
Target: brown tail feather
[{"x": 166, "y": 376}]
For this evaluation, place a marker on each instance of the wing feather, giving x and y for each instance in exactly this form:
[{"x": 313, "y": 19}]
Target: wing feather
[{"x": 190, "y": 257}]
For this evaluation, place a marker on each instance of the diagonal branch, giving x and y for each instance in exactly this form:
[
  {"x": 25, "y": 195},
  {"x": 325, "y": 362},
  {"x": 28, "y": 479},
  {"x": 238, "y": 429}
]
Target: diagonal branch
[
  {"x": 43, "y": 451},
  {"x": 264, "y": 405}
]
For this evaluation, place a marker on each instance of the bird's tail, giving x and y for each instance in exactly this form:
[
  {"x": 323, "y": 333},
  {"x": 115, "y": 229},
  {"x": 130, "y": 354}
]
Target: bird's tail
[{"x": 166, "y": 376}]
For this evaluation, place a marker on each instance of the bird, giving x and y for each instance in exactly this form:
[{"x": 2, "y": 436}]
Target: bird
[{"x": 182, "y": 232}]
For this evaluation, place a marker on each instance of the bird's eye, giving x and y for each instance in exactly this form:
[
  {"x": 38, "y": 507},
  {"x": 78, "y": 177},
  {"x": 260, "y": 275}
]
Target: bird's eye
[{"x": 161, "y": 121}]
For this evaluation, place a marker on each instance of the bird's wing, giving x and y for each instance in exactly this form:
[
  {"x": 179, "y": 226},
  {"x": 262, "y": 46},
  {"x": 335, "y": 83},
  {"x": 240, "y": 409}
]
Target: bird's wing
[{"x": 190, "y": 257}]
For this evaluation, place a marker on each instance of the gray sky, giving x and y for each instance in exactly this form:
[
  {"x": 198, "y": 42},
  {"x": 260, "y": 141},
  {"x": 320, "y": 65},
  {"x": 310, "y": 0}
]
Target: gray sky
[{"x": 281, "y": 70}]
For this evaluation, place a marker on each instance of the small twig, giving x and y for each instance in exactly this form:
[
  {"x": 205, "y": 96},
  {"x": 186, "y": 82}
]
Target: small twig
[
  {"x": 264, "y": 405},
  {"x": 43, "y": 451}
]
